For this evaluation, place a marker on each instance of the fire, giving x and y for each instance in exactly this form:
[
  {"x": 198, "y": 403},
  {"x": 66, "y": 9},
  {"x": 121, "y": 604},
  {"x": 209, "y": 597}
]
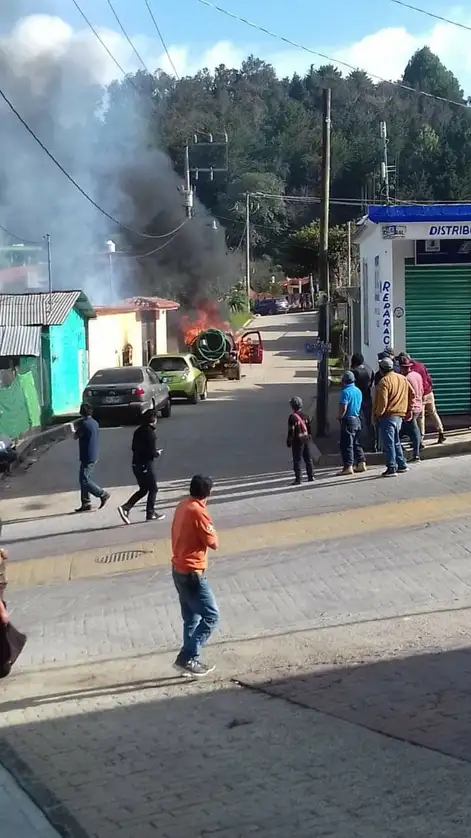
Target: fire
[{"x": 205, "y": 317}]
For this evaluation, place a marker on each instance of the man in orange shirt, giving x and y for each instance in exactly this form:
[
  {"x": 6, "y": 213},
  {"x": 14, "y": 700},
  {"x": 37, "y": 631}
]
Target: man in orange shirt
[{"x": 192, "y": 535}]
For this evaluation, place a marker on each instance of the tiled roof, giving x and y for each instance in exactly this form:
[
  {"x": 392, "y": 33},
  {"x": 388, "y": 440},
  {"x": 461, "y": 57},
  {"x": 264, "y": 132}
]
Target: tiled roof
[
  {"x": 20, "y": 340},
  {"x": 139, "y": 304},
  {"x": 42, "y": 309}
]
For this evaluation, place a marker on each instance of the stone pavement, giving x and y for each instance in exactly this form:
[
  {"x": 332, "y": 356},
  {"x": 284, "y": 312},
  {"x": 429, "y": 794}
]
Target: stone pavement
[
  {"x": 418, "y": 568},
  {"x": 126, "y": 749}
]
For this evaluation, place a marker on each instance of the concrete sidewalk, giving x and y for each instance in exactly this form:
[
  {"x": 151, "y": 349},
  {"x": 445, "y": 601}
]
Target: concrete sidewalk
[{"x": 20, "y": 817}]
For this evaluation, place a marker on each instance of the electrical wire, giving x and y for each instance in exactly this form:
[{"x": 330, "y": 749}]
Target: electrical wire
[
  {"x": 134, "y": 49},
  {"x": 77, "y": 186},
  {"x": 100, "y": 39},
  {"x": 18, "y": 238},
  {"x": 432, "y": 15},
  {"x": 329, "y": 58},
  {"x": 162, "y": 41}
]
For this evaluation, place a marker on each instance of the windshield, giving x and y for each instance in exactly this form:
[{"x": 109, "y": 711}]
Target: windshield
[
  {"x": 119, "y": 375},
  {"x": 169, "y": 364}
]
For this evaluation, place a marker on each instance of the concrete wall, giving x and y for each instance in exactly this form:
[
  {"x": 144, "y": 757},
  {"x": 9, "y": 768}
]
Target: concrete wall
[
  {"x": 68, "y": 358},
  {"x": 110, "y": 333},
  {"x": 376, "y": 268},
  {"x": 161, "y": 333},
  {"x": 402, "y": 249}
]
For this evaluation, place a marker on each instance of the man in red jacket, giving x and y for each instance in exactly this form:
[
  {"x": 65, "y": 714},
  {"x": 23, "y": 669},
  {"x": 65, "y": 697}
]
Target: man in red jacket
[{"x": 429, "y": 400}]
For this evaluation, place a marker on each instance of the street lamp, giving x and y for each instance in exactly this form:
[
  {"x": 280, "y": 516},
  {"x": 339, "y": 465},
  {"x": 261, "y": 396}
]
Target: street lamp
[{"x": 111, "y": 248}]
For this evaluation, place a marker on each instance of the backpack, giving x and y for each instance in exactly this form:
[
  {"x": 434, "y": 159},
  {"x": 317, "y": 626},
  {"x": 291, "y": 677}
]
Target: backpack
[{"x": 300, "y": 428}]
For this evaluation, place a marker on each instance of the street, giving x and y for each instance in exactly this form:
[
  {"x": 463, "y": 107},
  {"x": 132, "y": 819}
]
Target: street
[
  {"x": 339, "y": 705},
  {"x": 237, "y": 436}
]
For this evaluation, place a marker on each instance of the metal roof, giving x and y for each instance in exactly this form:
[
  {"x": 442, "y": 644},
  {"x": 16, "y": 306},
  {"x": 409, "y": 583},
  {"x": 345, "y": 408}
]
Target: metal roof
[
  {"x": 20, "y": 340},
  {"x": 42, "y": 309}
]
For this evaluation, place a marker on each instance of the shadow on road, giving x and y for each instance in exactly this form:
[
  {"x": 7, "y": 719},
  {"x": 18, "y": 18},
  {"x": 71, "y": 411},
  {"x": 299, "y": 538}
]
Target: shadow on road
[{"x": 270, "y": 756}]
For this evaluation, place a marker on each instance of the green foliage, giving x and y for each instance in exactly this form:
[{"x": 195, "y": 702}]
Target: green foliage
[
  {"x": 305, "y": 251},
  {"x": 236, "y": 300}
]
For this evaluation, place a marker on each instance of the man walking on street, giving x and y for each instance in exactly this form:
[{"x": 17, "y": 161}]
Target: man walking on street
[
  {"x": 364, "y": 381},
  {"x": 411, "y": 428},
  {"x": 144, "y": 456},
  {"x": 393, "y": 400},
  {"x": 192, "y": 535},
  {"x": 350, "y": 426},
  {"x": 87, "y": 432},
  {"x": 299, "y": 439}
]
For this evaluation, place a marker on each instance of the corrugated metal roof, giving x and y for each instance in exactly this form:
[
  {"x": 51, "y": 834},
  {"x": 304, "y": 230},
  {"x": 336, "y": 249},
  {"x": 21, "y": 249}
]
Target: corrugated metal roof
[
  {"x": 20, "y": 340},
  {"x": 37, "y": 309}
]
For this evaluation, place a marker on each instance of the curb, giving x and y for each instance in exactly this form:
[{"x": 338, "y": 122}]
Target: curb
[
  {"x": 25, "y": 447},
  {"x": 432, "y": 452}
]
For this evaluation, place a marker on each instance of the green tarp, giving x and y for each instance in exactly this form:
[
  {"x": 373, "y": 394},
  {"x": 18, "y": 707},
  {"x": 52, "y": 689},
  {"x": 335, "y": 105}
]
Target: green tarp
[{"x": 19, "y": 406}]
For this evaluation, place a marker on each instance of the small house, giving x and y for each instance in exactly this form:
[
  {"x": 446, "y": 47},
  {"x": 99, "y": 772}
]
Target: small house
[
  {"x": 43, "y": 336},
  {"x": 129, "y": 332}
]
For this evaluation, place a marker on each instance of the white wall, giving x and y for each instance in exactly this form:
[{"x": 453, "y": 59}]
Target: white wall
[
  {"x": 104, "y": 343},
  {"x": 376, "y": 272},
  {"x": 402, "y": 249},
  {"x": 161, "y": 333}
]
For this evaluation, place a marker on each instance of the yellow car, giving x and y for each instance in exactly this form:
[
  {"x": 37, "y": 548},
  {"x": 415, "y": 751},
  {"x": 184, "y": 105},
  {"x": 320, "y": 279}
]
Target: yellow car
[{"x": 183, "y": 376}]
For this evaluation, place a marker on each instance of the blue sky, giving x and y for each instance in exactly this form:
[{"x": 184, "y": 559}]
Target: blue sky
[{"x": 376, "y": 35}]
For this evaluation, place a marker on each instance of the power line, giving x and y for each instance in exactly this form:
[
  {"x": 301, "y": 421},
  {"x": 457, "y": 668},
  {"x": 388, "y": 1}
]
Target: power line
[
  {"x": 100, "y": 39},
  {"x": 18, "y": 238},
  {"x": 431, "y": 14},
  {"x": 77, "y": 186},
  {"x": 134, "y": 49},
  {"x": 329, "y": 58},
  {"x": 159, "y": 33}
]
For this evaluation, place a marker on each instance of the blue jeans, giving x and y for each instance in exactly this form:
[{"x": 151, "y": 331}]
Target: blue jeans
[
  {"x": 350, "y": 446},
  {"x": 413, "y": 432},
  {"x": 390, "y": 427},
  {"x": 200, "y": 613},
  {"x": 87, "y": 486}
]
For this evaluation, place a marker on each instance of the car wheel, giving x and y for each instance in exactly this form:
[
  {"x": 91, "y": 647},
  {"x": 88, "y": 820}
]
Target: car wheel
[
  {"x": 166, "y": 411},
  {"x": 194, "y": 398},
  {"x": 237, "y": 373},
  {"x": 204, "y": 394}
]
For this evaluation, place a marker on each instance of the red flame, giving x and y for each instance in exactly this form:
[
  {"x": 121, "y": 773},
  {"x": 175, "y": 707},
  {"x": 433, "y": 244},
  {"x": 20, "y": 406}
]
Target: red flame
[{"x": 206, "y": 316}]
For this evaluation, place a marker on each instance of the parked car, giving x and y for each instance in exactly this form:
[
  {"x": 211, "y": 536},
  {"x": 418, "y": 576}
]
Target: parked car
[
  {"x": 127, "y": 390},
  {"x": 278, "y": 306},
  {"x": 183, "y": 375}
]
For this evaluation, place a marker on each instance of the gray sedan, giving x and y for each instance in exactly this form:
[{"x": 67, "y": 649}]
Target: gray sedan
[{"x": 127, "y": 390}]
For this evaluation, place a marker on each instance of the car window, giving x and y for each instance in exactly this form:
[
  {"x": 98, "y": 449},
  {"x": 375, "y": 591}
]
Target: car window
[
  {"x": 168, "y": 363},
  {"x": 118, "y": 375}
]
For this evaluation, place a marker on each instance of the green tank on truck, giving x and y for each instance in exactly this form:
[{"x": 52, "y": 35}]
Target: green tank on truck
[{"x": 218, "y": 354}]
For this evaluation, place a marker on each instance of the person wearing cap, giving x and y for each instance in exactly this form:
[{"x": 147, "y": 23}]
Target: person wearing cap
[
  {"x": 299, "y": 439},
  {"x": 364, "y": 381},
  {"x": 393, "y": 402},
  {"x": 411, "y": 428},
  {"x": 353, "y": 456},
  {"x": 429, "y": 401}
]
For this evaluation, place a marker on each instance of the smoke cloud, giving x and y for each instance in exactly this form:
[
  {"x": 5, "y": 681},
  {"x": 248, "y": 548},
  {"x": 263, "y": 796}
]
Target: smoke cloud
[{"x": 53, "y": 75}]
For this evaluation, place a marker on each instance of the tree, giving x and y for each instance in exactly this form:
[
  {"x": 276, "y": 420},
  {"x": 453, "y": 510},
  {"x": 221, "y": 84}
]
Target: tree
[{"x": 305, "y": 247}]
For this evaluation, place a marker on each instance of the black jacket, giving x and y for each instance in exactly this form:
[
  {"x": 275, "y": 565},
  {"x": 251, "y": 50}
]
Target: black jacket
[{"x": 144, "y": 445}]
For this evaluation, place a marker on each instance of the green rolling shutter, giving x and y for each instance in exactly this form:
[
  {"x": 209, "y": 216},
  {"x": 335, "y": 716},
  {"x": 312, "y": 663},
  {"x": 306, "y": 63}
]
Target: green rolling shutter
[{"x": 438, "y": 329}]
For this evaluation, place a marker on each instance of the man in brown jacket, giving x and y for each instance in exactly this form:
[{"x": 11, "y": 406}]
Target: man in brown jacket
[{"x": 393, "y": 402}]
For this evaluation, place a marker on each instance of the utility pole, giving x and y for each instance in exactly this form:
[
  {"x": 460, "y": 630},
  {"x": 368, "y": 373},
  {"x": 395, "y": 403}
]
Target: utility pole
[
  {"x": 384, "y": 164},
  {"x": 187, "y": 190},
  {"x": 49, "y": 273},
  {"x": 247, "y": 246},
  {"x": 349, "y": 254},
  {"x": 322, "y": 403}
]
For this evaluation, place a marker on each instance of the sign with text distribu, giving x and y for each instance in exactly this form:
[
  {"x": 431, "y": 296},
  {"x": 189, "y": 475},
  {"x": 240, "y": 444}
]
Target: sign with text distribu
[{"x": 443, "y": 252}]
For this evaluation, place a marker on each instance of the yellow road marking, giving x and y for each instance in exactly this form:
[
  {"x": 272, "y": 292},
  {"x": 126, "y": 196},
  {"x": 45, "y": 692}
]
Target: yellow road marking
[{"x": 237, "y": 540}]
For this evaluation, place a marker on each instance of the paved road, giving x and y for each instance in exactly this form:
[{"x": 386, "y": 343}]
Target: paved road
[{"x": 237, "y": 436}]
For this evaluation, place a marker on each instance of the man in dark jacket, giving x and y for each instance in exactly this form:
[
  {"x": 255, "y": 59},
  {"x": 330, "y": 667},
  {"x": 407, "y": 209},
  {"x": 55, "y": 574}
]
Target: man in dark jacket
[
  {"x": 299, "y": 440},
  {"x": 87, "y": 432},
  {"x": 364, "y": 377},
  {"x": 144, "y": 456}
]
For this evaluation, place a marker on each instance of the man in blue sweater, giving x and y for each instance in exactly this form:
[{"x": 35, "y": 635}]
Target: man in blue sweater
[{"x": 87, "y": 431}]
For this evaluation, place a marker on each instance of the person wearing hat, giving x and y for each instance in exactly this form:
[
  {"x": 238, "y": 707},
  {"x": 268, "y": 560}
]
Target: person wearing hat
[
  {"x": 412, "y": 428},
  {"x": 393, "y": 402},
  {"x": 299, "y": 440},
  {"x": 351, "y": 397}
]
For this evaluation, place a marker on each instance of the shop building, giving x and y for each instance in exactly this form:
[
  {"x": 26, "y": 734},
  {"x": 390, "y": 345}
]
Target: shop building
[{"x": 415, "y": 264}]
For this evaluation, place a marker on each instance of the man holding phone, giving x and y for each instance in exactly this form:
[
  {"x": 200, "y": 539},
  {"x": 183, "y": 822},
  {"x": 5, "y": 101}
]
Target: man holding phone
[{"x": 144, "y": 456}]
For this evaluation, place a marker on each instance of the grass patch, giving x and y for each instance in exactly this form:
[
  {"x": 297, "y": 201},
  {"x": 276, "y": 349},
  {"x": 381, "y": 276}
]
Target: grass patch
[
  {"x": 239, "y": 319},
  {"x": 335, "y": 363}
]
